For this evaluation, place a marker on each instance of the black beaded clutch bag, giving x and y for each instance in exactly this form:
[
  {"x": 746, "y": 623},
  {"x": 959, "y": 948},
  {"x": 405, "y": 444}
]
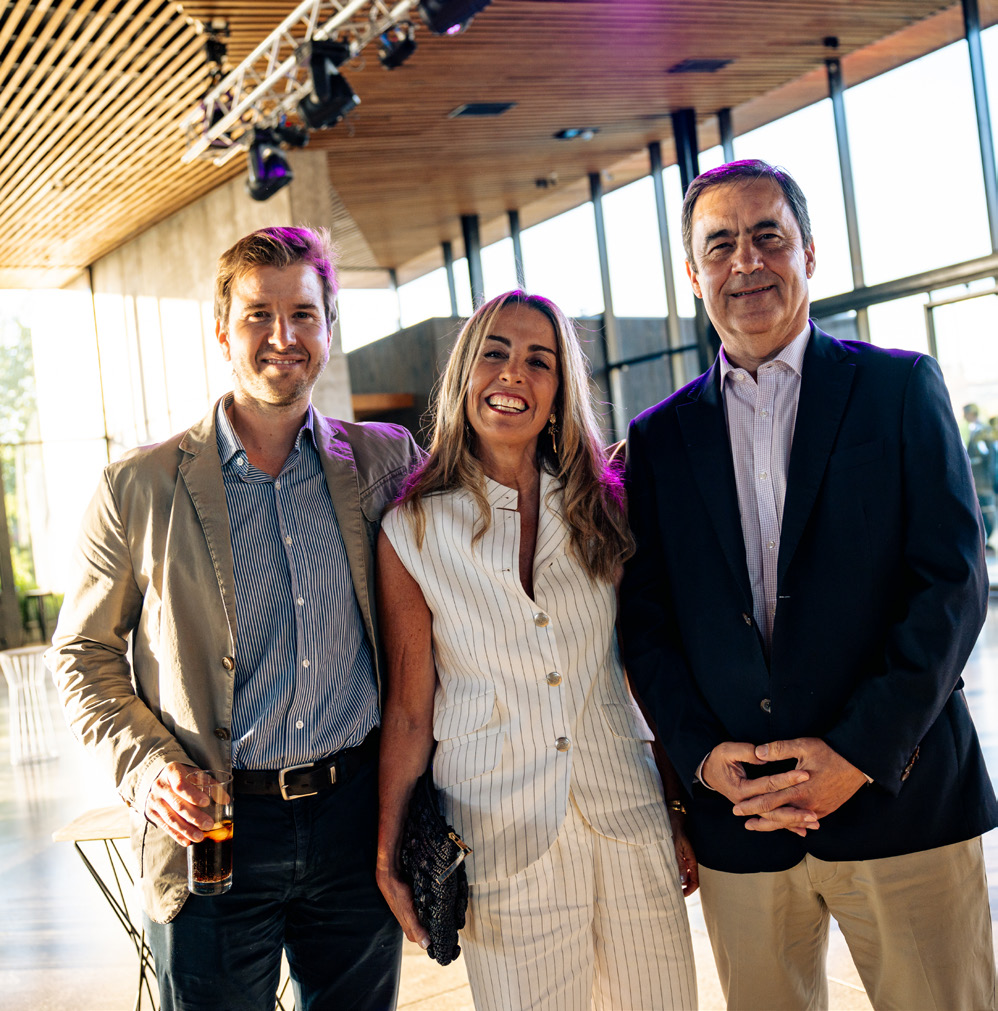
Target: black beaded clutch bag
[{"x": 433, "y": 861}]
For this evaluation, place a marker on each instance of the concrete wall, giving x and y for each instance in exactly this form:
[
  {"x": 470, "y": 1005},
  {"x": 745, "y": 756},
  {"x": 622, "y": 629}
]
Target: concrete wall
[
  {"x": 153, "y": 301},
  {"x": 407, "y": 361}
]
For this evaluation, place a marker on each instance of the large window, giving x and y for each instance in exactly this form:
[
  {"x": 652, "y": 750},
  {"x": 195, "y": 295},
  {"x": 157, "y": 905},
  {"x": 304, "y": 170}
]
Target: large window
[
  {"x": 425, "y": 297},
  {"x": 561, "y": 261},
  {"x": 499, "y": 268},
  {"x": 366, "y": 314},
  {"x": 815, "y": 166},
  {"x": 917, "y": 167},
  {"x": 634, "y": 250},
  {"x": 52, "y": 443}
]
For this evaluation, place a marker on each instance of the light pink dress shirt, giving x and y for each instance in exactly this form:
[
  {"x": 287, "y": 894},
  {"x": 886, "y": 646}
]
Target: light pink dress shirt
[{"x": 761, "y": 413}]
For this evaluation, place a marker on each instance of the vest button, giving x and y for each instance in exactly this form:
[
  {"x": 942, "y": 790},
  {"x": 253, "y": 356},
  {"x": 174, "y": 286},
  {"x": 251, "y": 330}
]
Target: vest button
[
  {"x": 541, "y": 619},
  {"x": 222, "y": 734},
  {"x": 562, "y": 744},
  {"x": 554, "y": 678},
  {"x": 228, "y": 663},
  {"x": 766, "y": 706}
]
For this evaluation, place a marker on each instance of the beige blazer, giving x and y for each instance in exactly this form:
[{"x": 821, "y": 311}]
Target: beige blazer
[
  {"x": 142, "y": 655},
  {"x": 531, "y": 705}
]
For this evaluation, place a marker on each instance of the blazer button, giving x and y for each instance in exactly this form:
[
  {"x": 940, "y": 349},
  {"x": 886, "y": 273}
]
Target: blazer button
[
  {"x": 222, "y": 734},
  {"x": 747, "y": 618},
  {"x": 554, "y": 678},
  {"x": 562, "y": 744},
  {"x": 766, "y": 706},
  {"x": 228, "y": 663},
  {"x": 541, "y": 619}
]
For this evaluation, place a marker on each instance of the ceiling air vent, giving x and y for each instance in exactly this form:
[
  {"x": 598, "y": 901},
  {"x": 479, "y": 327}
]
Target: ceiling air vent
[
  {"x": 703, "y": 66},
  {"x": 480, "y": 109}
]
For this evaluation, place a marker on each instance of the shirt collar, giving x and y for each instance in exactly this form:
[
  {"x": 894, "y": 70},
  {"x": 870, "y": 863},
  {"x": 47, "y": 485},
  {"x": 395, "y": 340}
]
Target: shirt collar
[
  {"x": 229, "y": 443},
  {"x": 792, "y": 355}
]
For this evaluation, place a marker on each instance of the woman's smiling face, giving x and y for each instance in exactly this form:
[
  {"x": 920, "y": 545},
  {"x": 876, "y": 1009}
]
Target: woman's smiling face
[{"x": 514, "y": 380}]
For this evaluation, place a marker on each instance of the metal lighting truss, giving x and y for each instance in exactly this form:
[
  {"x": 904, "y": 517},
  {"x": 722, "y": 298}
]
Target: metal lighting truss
[{"x": 271, "y": 81}]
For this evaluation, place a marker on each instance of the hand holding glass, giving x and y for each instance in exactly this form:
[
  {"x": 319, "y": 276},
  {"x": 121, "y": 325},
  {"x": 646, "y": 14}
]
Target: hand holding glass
[{"x": 209, "y": 862}]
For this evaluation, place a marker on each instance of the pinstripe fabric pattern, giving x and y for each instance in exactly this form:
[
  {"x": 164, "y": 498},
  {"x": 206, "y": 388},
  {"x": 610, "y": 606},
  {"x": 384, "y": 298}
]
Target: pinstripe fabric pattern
[
  {"x": 515, "y": 675},
  {"x": 304, "y": 678},
  {"x": 595, "y": 923},
  {"x": 761, "y": 413}
]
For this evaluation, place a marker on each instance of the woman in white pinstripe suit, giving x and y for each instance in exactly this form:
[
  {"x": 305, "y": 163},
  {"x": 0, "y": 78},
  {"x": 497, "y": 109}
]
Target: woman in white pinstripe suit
[{"x": 497, "y": 573}]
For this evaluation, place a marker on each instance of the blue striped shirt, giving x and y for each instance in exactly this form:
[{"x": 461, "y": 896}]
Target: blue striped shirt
[{"x": 304, "y": 683}]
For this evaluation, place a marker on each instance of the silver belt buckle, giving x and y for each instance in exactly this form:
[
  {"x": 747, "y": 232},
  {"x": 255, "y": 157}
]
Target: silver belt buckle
[{"x": 282, "y": 783}]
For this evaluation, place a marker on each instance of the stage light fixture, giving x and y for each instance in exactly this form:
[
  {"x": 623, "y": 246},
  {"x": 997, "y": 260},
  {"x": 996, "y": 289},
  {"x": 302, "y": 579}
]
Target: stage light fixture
[
  {"x": 215, "y": 49},
  {"x": 577, "y": 133},
  {"x": 269, "y": 170},
  {"x": 448, "y": 17},
  {"x": 397, "y": 45},
  {"x": 332, "y": 97},
  {"x": 293, "y": 136}
]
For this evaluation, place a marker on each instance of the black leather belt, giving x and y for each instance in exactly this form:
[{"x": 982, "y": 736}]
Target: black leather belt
[{"x": 298, "y": 781}]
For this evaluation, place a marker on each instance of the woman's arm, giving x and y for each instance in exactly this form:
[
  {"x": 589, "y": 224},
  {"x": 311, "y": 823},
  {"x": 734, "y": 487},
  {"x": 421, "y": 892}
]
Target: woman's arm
[
  {"x": 689, "y": 873},
  {"x": 406, "y": 723}
]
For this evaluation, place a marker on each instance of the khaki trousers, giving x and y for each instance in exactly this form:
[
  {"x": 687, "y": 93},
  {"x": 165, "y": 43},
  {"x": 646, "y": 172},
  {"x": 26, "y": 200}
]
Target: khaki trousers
[
  {"x": 918, "y": 927},
  {"x": 592, "y": 924}
]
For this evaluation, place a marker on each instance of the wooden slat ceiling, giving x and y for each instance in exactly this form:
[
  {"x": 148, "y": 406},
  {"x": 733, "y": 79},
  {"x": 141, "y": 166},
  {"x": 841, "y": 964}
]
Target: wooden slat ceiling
[{"x": 92, "y": 93}]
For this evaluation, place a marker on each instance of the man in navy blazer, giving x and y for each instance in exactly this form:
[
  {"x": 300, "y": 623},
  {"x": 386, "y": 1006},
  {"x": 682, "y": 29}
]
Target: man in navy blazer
[{"x": 808, "y": 586}]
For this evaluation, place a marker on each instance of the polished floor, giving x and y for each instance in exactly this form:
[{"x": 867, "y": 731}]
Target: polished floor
[{"x": 62, "y": 949}]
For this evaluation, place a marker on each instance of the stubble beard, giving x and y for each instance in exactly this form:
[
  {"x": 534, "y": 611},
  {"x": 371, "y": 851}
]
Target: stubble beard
[{"x": 276, "y": 393}]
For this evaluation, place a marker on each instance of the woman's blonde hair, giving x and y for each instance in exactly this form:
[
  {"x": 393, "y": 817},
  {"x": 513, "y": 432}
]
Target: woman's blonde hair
[{"x": 593, "y": 489}]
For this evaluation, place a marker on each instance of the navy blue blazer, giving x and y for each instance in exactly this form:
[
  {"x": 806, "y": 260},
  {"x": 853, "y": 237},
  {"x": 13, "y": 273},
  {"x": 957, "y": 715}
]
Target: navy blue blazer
[{"x": 882, "y": 591}]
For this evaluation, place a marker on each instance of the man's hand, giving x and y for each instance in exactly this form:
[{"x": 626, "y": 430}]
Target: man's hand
[
  {"x": 724, "y": 772},
  {"x": 175, "y": 805},
  {"x": 830, "y": 783}
]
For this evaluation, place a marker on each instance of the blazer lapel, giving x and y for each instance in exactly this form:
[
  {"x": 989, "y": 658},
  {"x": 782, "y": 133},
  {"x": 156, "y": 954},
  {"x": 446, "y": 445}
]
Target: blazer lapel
[
  {"x": 826, "y": 379},
  {"x": 201, "y": 471},
  {"x": 552, "y": 531},
  {"x": 708, "y": 450},
  {"x": 340, "y": 469}
]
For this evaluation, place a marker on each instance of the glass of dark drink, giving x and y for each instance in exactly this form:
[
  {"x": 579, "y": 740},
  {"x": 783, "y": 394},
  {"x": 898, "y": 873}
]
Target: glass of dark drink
[{"x": 209, "y": 862}]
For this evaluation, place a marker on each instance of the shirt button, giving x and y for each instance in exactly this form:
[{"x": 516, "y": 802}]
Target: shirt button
[
  {"x": 277, "y": 485},
  {"x": 287, "y": 540},
  {"x": 770, "y": 545},
  {"x": 562, "y": 744},
  {"x": 228, "y": 663},
  {"x": 541, "y": 619},
  {"x": 300, "y": 601},
  {"x": 766, "y": 706},
  {"x": 763, "y": 475},
  {"x": 299, "y": 724},
  {"x": 764, "y": 413},
  {"x": 304, "y": 663},
  {"x": 554, "y": 678},
  {"x": 239, "y": 461}
]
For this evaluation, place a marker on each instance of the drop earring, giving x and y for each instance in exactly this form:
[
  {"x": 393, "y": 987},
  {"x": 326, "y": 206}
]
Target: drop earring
[{"x": 552, "y": 431}]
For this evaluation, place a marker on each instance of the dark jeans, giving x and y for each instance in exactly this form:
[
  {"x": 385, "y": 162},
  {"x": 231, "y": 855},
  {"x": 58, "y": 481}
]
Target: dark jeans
[{"x": 303, "y": 880}]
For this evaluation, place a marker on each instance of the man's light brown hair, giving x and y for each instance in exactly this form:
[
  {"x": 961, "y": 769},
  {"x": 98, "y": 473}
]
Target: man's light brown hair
[{"x": 278, "y": 247}]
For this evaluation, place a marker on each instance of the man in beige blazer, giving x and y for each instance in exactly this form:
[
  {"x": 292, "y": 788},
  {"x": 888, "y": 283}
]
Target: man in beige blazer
[{"x": 222, "y": 617}]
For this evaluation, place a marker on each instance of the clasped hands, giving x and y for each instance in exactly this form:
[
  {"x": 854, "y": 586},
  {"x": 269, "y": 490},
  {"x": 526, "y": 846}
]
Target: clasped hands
[{"x": 796, "y": 800}]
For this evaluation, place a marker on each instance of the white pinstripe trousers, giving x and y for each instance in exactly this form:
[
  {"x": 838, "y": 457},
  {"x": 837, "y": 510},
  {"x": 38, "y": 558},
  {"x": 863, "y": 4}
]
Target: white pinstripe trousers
[{"x": 592, "y": 924}]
